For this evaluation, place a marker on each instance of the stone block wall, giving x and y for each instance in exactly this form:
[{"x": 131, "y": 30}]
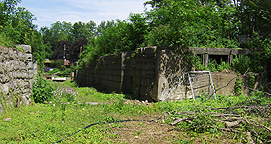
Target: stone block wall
[{"x": 16, "y": 73}]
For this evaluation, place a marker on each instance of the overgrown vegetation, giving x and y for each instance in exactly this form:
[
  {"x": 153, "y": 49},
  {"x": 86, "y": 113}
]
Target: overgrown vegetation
[
  {"x": 42, "y": 90},
  {"x": 195, "y": 121},
  {"x": 186, "y": 23}
]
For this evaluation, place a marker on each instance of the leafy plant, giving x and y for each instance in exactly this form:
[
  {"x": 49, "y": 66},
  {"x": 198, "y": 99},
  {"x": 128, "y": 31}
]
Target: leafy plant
[
  {"x": 241, "y": 63},
  {"x": 238, "y": 86},
  {"x": 64, "y": 95},
  {"x": 212, "y": 65},
  {"x": 42, "y": 90},
  {"x": 223, "y": 65}
]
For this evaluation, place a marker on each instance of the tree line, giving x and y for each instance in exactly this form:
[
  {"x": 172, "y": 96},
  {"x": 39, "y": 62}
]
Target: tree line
[{"x": 185, "y": 23}]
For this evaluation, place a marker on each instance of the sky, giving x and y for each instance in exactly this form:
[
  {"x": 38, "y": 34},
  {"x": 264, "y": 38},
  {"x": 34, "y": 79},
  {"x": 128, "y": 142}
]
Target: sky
[{"x": 48, "y": 12}]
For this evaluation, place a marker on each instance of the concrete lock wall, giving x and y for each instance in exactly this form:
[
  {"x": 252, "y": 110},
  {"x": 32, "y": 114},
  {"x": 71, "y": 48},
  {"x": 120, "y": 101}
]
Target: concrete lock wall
[
  {"x": 127, "y": 72},
  {"x": 151, "y": 73},
  {"x": 16, "y": 72}
]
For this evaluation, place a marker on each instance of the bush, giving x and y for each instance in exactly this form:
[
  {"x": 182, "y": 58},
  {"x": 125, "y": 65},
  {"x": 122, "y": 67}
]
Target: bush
[
  {"x": 57, "y": 64},
  {"x": 42, "y": 90},
  {"x": 241, "y": 63}
]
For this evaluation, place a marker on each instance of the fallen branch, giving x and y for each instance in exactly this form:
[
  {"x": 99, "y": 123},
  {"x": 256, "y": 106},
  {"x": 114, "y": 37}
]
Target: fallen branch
[{"x": 184, "y": 119}]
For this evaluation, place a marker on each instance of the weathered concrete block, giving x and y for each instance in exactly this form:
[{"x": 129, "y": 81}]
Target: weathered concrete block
[
  {"x": 138, "y": 81},
  {"x": 144, "y": 73},
  {"x": 148, "y": 66},
  {"x": 147, "y": 82},
  {"x": 149, "y": 50}
]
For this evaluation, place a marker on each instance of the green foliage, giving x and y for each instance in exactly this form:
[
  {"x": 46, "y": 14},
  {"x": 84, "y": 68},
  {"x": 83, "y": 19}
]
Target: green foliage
[
  {"x": 241, "y": 63},
  {"x": 199, "y": 64},
  {"x": 254, "y": 17},
  {"x": 48, "y": 123},
  {"x": 42, "y": 90},
  {"x": 238, "y": 87},
  {"x": 203, "y": 117},
  {"x": 191, "y": 23},
  {"x": 64, "y": 95},
  {"x": 213, "y": 66},
  {"x": 5, "y": 41},
  {"x": 57, "y": 64},
  {"x": 223, "y": 65},
  {"x": 55, "y": 70},
  {"x": 16, "y": 27}
]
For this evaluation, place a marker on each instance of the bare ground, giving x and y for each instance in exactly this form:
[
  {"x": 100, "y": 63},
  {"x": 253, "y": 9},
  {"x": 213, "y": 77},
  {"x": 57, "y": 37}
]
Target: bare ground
[{"x": 157, "y": 132}]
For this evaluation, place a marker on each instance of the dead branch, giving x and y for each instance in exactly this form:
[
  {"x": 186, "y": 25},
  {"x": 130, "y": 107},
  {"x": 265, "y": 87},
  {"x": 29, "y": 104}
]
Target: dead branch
[
  {"x": 259, "y": 125},
  {"x": 184, "y": 119}
]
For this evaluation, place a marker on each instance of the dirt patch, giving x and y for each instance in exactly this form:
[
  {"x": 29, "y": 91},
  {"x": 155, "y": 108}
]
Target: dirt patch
[
  {"x": 143, "y": 132},
  {"x": 158, "y": 133}
]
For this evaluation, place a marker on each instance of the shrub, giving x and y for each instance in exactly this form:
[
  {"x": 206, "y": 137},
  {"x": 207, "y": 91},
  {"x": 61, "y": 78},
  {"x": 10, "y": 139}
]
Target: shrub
[
  {"x": 42, "y": 90},
  {"x": 241, "y": 63},
  {"x": 57, "y": 64}
]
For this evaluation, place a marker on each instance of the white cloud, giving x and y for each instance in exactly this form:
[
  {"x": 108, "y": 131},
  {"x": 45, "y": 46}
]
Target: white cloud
[{"x": 50, "y": 11}]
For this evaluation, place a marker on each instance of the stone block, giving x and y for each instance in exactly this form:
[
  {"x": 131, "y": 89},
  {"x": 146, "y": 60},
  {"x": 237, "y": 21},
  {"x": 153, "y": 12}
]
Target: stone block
[
  {"x": 1, "y": 58},
  {"x": 10, "y": 75},
  {"x": 24, "y": 75},
  {"x": 30, "y": 65},
  {"x": 21, "y": 56},
  {"x": 11, "y": 54},
  {"x": 26, "y": 48},
  {"x": 22, "y": 66},
  {"x": 17, "y": 65},
  {"x": 1, "y": 68},
  {"x": 6, "y": 65},
  {"x": 28, "y": 57},
  {"x": 5, "y": 79},
  {"x": 5, "y": 50},
  {"x": 30, "y": 74},
  {"x": 5, "y": 88},
  {"x": 25, "y": 99}
]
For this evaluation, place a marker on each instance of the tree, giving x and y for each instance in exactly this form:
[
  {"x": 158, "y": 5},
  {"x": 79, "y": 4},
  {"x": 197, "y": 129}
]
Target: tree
[
  {"x": 76, "y": 48},
  {"x": 7, "y": 8},
  {"x": 81, "y": 30},
  {"x": 191, "y": 23},
  {"x": 254, "y": 17}
]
